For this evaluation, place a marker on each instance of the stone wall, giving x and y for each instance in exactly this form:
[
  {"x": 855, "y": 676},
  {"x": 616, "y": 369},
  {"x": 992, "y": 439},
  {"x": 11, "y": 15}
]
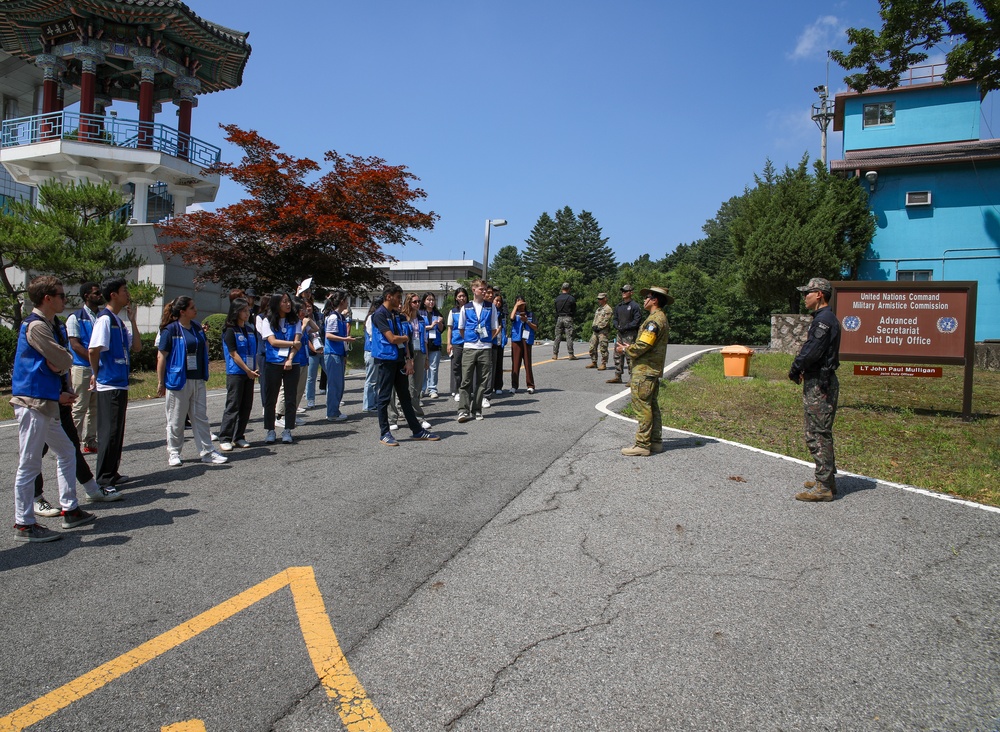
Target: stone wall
[
  {"x": 988, "y": 356},
  {"x": 788, "y": 332}
]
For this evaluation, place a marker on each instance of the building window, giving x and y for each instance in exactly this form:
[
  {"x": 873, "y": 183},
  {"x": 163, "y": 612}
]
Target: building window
[
  {"x": 913, "y": 275},
  {"x": 879, "y": 114}
]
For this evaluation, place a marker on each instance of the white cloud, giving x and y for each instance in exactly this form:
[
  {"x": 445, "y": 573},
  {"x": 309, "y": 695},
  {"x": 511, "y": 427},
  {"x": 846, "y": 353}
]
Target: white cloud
[{"x": 818, "y": 38}]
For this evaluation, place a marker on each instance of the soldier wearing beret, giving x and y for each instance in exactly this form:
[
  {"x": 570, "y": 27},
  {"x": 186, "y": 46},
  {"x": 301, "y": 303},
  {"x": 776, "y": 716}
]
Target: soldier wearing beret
[
  {"x": 816, "y": 369},
  {"x": 648, "y": 354}
]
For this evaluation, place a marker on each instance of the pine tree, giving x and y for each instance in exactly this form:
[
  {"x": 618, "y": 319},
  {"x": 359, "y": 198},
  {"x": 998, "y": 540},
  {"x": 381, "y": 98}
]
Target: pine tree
[
  {"x": 599, "y": 261},
  {"x": 541, "y": 244}
]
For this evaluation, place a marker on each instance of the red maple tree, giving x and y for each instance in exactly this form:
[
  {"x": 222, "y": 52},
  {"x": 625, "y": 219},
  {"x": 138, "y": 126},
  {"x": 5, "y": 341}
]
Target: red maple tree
[{"x": 331, "y": 228}]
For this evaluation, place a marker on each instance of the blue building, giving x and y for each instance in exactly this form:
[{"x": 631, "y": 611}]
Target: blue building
[{"x": 934, "y": 185}]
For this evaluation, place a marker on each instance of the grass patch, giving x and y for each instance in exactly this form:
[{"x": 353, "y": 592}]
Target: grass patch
[{"x": 905, "y": 430}]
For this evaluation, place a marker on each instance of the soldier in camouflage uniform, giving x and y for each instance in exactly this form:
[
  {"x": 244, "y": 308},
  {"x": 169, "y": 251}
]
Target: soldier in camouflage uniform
[
  {"x": 648, "y": 354},
  {"x": 816, "y": 369},
  {"x": 602, "y": 330}
]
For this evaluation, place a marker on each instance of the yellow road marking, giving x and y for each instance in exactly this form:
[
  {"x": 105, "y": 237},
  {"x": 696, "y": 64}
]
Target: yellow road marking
[
  {"x": 356, "y": 710},
  {"x": 195, "y": 725}
]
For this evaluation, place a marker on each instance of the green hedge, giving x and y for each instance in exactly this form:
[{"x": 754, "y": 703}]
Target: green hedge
[
  {"x": 214, "y": 325},
  {"x": 8, "y": 346},
  {"x": 145, "y": 360}
]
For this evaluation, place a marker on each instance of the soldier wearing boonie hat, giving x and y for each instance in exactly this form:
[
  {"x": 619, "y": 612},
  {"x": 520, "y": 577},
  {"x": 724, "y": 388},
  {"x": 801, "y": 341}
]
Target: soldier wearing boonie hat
[
  {"x": 648, "y": 354},
  {"x": 816, "y": 369}
]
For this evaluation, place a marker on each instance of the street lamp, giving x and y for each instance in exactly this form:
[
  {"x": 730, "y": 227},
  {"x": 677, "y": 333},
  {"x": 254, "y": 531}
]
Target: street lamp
[{"x": 486, "y": 245}]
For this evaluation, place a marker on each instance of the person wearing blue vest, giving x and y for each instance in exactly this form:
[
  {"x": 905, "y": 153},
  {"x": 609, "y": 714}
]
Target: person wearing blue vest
[
  {"x": 79, "y": 326},
  {"x": 368, "y": 401},
  {"x": 111, "y": 344},
  {"x": 456, "y": 340},
  {"x": 239, "y": 346},
  {"x": 478, "y": 323},
  {"x": 499, "y": 344},
  {"x": 434, "y": 325},
  {"x": 522, "y": 336},
  {"x": 413, "y": 328},
  {"x": 337, "y": 337},
  {"x": 37, "y": 390},
  {"x": 393, "y": 364},
  {"x": 182, "y": 371},
  {"x": 282, "y": 336}
]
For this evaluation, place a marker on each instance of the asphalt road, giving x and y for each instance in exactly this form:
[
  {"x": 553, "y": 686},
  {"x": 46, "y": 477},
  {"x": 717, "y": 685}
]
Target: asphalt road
[{"x": 518, "y": 575}]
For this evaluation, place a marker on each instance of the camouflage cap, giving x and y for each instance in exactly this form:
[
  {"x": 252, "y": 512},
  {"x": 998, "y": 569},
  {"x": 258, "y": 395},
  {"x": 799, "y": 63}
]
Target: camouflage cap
[
  {"x": 817, "y": 283},
  {"x": 626, "y": 288},
  {"x": 602, "y": 296}
]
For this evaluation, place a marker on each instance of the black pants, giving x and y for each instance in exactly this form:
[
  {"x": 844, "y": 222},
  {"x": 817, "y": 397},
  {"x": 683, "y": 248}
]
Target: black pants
[
  {"x": 456, "y": 368},
  {"x": 111, "y": 408},
  {"x": 239, "y": 402},
  {"x": 389, "y": 377},
  {"x": 497, "y": 368},
  {"x": 276, "y": 376},
  {"x": 83, "y": 471}
]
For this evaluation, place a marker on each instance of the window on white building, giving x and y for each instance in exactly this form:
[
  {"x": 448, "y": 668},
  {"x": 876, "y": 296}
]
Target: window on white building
[{"x": 880, "y": 114}]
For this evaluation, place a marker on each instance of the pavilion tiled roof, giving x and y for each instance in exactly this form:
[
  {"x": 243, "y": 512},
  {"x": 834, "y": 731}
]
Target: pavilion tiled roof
[{"x": 936, "y": 154}]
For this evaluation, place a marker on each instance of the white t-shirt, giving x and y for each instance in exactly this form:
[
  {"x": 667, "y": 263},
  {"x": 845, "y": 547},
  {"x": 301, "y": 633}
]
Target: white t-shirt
[
  {"x": 266, "y": 332},
  {"x": 478, "y": 307}
]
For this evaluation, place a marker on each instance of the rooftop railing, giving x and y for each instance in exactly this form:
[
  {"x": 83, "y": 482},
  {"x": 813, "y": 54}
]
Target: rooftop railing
[
  {"x": 111, "y": 131},
  {"x": 923, "y": 74}
]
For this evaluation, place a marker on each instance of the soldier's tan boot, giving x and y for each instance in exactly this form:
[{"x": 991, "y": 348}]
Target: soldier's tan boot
[
  {"x": 615, "y": 380},
  {"x": 602, "y": 367},
  {"x": 810, "y": 484},
  {"x": 816, "y": 495},
  {"x": 635, "y": 451},
  {"x": 592, "y": 365}
]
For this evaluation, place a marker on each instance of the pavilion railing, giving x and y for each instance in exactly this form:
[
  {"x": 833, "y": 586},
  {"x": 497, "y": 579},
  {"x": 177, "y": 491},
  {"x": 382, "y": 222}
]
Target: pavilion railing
[{"x": 91, "y": 128}]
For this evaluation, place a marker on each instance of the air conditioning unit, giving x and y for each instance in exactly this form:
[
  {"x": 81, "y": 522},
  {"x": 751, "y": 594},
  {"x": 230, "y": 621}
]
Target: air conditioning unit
[{"x": 918, "y": 198}]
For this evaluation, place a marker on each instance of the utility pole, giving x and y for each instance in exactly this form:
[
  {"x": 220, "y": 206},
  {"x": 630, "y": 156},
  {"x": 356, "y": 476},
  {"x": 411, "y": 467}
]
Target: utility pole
[{"x": 822, "y": 113}]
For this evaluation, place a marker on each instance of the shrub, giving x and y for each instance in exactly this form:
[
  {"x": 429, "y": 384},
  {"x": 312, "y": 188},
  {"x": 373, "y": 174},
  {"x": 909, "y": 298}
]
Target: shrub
[
  {"x": 8, "y": 345},
  {"x": 145, "y": 360},
  {"x": 213, "y": 325}
]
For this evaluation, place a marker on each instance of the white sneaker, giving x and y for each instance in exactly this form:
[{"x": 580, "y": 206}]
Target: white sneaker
[
  {"x": 242, "y": 443},
  {"x": 299, "y": 421},
  {"x": 310, "y": 404},
  {"x": 300, "y": 410},
  {"x": 339, "y": 418},
  {"x": 215, "y": 437},
  {"x": 270, "y": 438},
  {"x": 286, "y": 437},
  {"x": 425, "y": 424},
  {"x": 174, "y": 461},
  {"x": 486, "y": 402},
  {"x": 458, "y": 397},
  {"x": 479, "y": 416},
  {"x": 432, "y": 395},
  {"x": 394, "y": 427},
  {"x": 214, "y": 458},
  {"x": 530, "y": 390},
  {"x": 226, "y": 446}
]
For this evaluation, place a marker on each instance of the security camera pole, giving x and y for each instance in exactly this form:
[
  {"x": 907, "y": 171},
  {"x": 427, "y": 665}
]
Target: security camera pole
[
  {"x": 486, "y": 245},
  {"x": 822, "y": 113}
]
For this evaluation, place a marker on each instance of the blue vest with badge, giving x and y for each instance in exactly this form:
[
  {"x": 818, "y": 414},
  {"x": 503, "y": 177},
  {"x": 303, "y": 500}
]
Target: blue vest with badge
[
  {"x": 381, "y": 348},
  {"x": 116, "y": 359},
  {"x": 86, "y": 326},
  {"x": 457, "y": 337},
  {"x": 472, "y": 324},
  {"x": 336, "y": 347},
  {"x": 246, "y": 347},
  {"x": 271, "y": 354},
  {"x": 32, "y": 375},
  {"x": 520, "y": 332},
  {"x": 177, "y": 358},
  {"x": 417, "y": 336}
]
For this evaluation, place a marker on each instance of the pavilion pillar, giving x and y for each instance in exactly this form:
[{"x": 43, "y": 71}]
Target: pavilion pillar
[
  {"x": 51, "y": 67},
  {"x": 149, "y": 67},
  {"x": 187, "y": 87},
  {"x": 90, "y": 58}
]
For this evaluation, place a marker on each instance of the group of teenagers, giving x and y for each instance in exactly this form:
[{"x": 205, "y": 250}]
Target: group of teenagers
[{"x": 70, "y": 386}]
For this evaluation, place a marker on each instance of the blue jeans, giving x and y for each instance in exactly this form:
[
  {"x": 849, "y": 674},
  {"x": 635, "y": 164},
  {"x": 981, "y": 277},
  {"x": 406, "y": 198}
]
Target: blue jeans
[
  {"x": 368, "y": 401},
  {"x": 334, "y": 365},
  {"x": 433, "y": 361},
  {"x": 315, "y": 361}
]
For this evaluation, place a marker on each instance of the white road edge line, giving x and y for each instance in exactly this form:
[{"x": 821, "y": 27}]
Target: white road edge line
[{"x": 603, "y": 405}]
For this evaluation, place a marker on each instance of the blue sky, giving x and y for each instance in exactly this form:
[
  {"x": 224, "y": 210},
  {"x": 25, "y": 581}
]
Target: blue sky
[{"x": 649, "y": 114}]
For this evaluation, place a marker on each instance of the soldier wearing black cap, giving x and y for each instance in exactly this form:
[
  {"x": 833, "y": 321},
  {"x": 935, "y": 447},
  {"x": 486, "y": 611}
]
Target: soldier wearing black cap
[
  {"x": 628, "y": 316},
  {"x": 816, "y": 369}
]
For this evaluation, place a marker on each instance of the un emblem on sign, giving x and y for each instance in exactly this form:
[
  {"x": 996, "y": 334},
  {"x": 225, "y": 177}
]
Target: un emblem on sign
[
  {"x": 947, "y": 325},
  {"x": 852, "y": 323}
]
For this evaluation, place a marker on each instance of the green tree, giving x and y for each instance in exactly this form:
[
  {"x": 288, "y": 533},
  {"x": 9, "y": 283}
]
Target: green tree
[
  {"x": 506, "y": 271},
  {"x": 541, "y": 249},
  {"x": 597, "y": 260},
  {"x": 75, "y": 234},
  {"x": 911, "y": 28},
  {"x": 570, "y": 242},
  {"x": 793, "y": 226}
]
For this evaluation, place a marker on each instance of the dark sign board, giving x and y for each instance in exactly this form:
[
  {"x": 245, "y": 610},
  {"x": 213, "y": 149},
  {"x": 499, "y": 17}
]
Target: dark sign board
[
  {"x": 57, "y": 28},
  {"x": 864, "y": 369},
  {"x": 909, "y": 322}
]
